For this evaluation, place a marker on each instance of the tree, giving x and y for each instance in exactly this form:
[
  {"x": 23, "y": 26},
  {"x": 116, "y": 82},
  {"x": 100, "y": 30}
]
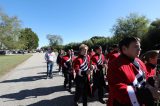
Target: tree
[
  {"x": 152, "y": 39},
  {"x": 132, "y": 25},
  {"x": 73, "y": 45},
  {"x": 9, "y": 30},
  {"x": 29, "y": 39},
  {"x": 95, "y": 40},
  {"x": 54, "y": 40}
]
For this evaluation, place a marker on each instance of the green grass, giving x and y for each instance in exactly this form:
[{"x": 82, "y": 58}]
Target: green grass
[{"x": 9, "y": 62}]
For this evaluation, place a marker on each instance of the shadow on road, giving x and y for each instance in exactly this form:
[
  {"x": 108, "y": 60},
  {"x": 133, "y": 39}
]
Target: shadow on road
[
  {"x": 26, "y": 79},
  {"x": 33, "y": 93},
  {"x": 46, "y": 72},
  {"x": 66, "y": 100},
  {"x": 35, "y": 67},
  {"x": 31, "y": 78},
  {"x": 54, "y": 73}
]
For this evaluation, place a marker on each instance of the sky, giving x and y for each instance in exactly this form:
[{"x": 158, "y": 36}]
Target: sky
[{"x": 76, "y": 20}]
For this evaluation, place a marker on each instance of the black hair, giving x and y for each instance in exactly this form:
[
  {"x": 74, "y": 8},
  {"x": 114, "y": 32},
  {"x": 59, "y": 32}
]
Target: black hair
[
  {"x": 115, "y": 46},
  {"x": 127, "y": 41},
  {"x": 97, "y": 47}
]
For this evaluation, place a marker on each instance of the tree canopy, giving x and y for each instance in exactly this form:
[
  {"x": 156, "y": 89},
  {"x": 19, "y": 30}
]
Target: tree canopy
[
  {"x": 13, "y": 36},
  {"x": 29, "y": 39}
]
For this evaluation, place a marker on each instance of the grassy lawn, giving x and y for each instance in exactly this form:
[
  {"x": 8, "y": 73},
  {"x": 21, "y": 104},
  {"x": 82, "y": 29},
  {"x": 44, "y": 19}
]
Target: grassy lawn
[{"x": 11, "y": 61}]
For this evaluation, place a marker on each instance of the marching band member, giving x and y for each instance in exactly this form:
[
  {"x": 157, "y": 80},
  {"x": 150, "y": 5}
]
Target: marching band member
[
  {"x": 81, "y": 66},
  {"x": 98, "y": 62},
  {"x": 127, "y": 77}
]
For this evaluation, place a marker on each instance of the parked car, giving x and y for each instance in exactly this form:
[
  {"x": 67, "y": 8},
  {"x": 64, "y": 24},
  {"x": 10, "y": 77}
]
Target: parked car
[
  {"x": 14, "y": 51},
  {"x": 2, "y": 52},
  {"x": 39, "y": 51},
  {"x": 25, "y": 51},
  {"x": 20, "y": 51}
]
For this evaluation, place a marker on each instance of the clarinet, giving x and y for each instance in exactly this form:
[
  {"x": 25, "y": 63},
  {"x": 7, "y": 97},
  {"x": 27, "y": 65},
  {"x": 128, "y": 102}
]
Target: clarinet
[
  {"x": 72, "y": 69},
  {"x": 90, "y": 77},
  {"x": 71, "y": 65},
  {"x": 157, "y": 80}
]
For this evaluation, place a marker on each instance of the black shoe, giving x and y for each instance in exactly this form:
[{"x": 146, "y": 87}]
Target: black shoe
[
  {"x": 102, "y": 101},
  {"x": 64, "y": 86},
  {"x": 75, "y": 104},
  {"x": 69, "y": 90},
  {"x": 50, "y": 76},
  {"x": 47, "y": 76},
  {"x": 93, "y": 95},
  {"x": 84, "y": 104}
]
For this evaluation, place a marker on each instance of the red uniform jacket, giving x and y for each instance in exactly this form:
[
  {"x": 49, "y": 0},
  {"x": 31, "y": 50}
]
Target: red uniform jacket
[
  {"x": 81, "y": 64},
  {"x": 151, "y": 70},
  {"x": 112, "y": 55},
  {"x": 122, "y": 80},
  {"x": 91, "y": 53},
  {"x": 97, "y": 60},
  {"x": 65, "y": 62}
]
